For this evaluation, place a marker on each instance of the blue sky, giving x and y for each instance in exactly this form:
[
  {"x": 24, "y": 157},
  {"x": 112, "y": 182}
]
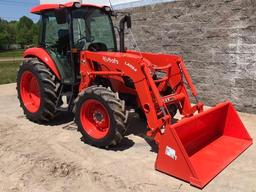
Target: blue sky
[{"x": 14, "y": 9}]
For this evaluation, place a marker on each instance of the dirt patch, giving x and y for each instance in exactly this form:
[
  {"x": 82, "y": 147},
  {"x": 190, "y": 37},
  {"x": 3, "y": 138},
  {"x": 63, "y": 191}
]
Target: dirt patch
[{"x": 37, "y": 158}]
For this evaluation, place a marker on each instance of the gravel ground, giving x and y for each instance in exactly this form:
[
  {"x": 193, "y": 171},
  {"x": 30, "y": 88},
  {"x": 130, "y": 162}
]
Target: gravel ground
[{"x": 36, "y": 158}]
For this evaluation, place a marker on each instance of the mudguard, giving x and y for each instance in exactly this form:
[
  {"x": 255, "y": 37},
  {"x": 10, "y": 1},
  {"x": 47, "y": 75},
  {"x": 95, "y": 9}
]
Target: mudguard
[{"x": 42, "y": 55}]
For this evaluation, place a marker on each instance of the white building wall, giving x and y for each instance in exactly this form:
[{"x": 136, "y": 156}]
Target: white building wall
[
  {"x": 104, "y": 2},
  {"x": 117, "y": 4}
]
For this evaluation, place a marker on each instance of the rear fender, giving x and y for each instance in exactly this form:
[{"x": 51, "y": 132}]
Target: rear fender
[{"x": 42, "y": 55}]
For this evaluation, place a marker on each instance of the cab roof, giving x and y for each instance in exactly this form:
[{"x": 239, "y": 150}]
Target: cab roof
[{"x": 44, "y": 7}]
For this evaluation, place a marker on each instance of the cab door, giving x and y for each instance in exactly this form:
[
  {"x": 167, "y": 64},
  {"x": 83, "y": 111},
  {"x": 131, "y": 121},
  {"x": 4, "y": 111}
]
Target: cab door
[{"x": 56, "y": 41}]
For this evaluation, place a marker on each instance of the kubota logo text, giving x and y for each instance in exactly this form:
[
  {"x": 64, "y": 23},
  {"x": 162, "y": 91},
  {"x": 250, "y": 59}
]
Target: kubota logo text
[{"x": 110, "y": 60}]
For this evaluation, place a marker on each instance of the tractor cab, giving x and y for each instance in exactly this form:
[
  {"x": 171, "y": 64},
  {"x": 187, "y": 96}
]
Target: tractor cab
[{"x": 70, "y": 28}]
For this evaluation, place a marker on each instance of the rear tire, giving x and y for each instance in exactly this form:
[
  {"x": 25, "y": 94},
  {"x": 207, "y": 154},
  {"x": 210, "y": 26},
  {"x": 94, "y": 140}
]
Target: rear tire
[
  {"x": 100, "y": 116},
  {"x": 37, "y": 89}
]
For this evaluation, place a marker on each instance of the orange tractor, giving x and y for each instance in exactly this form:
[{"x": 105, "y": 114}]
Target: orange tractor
[{"x": 78, "y": 67}]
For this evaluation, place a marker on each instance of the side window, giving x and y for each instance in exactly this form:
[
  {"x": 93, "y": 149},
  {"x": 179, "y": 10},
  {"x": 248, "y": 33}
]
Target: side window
[
  {"x": 92, "y": 25},
  {"x": 78, "y": 29},
  {"x": 57, "y": 43},
  {"x": 56, "y": 35},
  {"x": 101, "y": 30}
]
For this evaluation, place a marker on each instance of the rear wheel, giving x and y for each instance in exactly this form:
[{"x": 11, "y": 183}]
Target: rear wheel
[
  {"x": 100, "y": 116},
  {"x": 37, "y": 90}
]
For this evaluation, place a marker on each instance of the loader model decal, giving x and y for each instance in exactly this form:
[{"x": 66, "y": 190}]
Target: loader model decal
[
  {"x": 130, "y": 66},
  {"x": 110, "y": 60}
]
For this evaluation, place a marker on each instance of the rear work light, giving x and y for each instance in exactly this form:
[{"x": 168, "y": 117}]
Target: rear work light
[{"x": 77, "y": 5}]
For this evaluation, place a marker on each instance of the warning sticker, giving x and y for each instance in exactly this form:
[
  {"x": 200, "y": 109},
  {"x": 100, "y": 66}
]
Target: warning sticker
[{"x": 170, "y": 152}]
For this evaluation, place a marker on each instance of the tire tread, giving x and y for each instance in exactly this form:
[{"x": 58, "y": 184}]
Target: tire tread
[
  {"x": 49, "y": 90},
  {"x": 117, "y": 107}
]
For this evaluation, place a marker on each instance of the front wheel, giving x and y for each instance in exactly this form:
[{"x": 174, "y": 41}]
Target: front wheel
[{"x": 100, "y": 116}]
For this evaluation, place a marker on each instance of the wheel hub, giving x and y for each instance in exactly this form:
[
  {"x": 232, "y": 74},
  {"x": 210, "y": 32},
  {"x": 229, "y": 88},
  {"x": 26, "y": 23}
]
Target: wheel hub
[
  {"x": 30, "y": 91},
  {"x": 98, "y": 117},
  {"x": 95, "y": 118}
]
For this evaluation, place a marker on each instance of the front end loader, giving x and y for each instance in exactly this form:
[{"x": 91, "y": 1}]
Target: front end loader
[{"x": 78, "y": 67}]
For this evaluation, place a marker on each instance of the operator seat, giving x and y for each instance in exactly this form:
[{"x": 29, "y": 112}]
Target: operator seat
[
  {"x": 63, "y": 41},
  {"x": 95, "y": 47}
]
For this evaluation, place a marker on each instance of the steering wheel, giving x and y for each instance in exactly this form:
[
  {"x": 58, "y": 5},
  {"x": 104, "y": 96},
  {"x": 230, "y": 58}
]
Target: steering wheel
[
  {"x": 80, "y": 43},
  {"x": 52, "y": 46},
  {"x": 82, "y": 38}
]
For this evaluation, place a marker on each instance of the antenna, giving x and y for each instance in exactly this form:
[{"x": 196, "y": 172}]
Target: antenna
[{"x": 111, "y": 5}]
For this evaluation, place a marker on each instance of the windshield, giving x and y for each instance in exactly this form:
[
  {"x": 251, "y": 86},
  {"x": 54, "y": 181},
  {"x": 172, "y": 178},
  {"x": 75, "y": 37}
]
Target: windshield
[{"x": 92, "y": 25}]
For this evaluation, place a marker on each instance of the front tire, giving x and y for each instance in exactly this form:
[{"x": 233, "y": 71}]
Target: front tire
[
  {"x": 37, "y": 89},
  {"x": 100, "y": 116}
]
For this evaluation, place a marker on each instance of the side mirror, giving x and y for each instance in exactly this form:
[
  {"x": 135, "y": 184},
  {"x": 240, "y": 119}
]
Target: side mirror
[
  {"x": 129, "y": 21},
  {"x": 61, "y": 16}
]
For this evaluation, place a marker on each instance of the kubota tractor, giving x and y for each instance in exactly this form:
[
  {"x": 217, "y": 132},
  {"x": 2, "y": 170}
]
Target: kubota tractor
[{"x": 78, "y": 67}]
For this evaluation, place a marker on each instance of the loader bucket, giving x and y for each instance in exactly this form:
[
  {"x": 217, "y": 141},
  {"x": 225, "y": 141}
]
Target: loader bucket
[{"x": 198, "y": 148}]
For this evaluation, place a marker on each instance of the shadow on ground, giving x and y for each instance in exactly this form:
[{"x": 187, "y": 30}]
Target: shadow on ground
[
  {"x": 136, "y": 126},
  {"x": 62, "y": 118}
]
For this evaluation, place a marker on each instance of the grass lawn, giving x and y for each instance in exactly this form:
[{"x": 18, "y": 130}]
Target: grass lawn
[
  {"x": 10, "y": 54},
  {"x": 8, "y": 71}
]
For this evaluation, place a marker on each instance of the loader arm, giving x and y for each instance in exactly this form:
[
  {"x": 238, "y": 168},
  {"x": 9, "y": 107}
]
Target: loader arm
[
  {"x": 177, "y": 74},
  {"x": 140, "y": 70},
  {"x": 120, "y": 64}
]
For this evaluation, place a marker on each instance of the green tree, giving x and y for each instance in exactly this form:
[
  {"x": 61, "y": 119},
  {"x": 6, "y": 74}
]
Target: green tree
[
  {"x": 35, "y": 32},
  {"x": 25, "y": 31},
  {"x": 25, "y": 23},
  {"x": 12, "y": 32},
  {"x": 3, "y": 32}
]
